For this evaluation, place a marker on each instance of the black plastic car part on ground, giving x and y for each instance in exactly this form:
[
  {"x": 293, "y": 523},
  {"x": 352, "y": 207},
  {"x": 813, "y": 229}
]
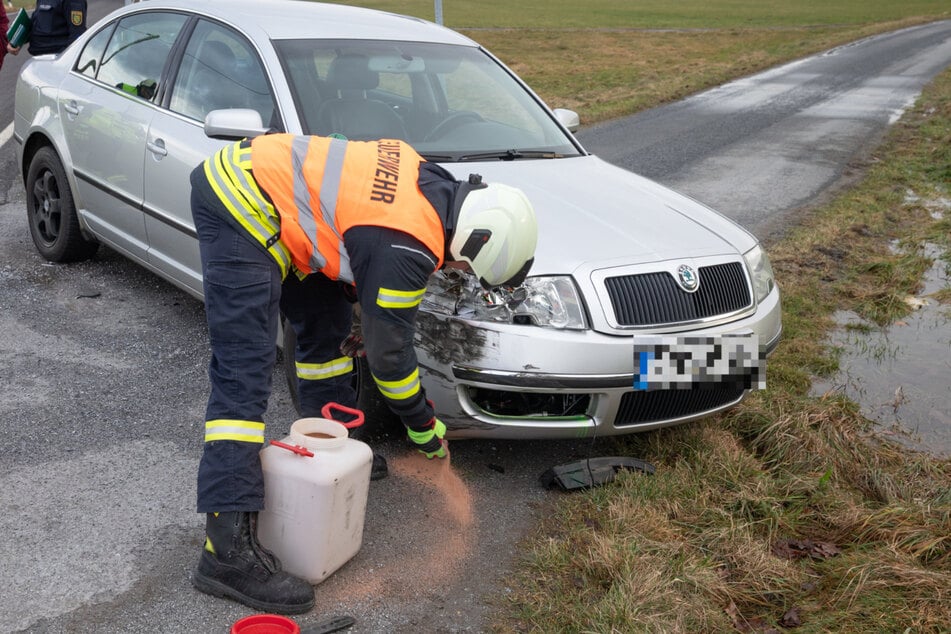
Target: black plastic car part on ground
[{"x": 590, "y": 472}]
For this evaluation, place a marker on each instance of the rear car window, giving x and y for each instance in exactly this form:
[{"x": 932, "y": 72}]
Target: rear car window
[{"x": 136, "y": 51}]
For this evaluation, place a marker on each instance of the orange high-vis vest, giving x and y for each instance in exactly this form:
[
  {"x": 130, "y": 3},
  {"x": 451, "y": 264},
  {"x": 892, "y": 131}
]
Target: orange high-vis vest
[{"x": 322, "y": 186}]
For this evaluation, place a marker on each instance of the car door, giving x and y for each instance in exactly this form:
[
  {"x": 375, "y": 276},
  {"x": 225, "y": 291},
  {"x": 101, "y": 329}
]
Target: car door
[
  {"x": 106, "y": 108},
  {"x": 219, "y": 69}
]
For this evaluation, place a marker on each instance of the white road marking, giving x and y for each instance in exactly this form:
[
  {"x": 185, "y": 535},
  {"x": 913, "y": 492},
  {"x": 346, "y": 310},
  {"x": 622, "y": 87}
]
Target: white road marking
[{"x": 6, "y": 135}]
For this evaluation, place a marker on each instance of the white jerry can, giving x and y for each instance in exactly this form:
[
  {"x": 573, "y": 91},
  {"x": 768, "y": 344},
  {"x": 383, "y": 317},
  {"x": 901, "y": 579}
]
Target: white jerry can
[{"x": 316, "y": 483}]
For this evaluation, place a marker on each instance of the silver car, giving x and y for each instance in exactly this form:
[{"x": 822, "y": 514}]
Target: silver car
[{"x": 644, "y": 308}]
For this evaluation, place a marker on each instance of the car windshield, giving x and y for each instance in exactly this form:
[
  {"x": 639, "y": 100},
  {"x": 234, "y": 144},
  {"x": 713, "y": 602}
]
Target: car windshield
[{"x": 452, "y": 103}]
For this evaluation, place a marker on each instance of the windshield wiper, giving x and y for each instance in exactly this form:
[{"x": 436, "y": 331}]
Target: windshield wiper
[
  {"x": 439, "y": 158},
  {"x": 510, "y": 155},
  {"x": 501, "y": 155}
]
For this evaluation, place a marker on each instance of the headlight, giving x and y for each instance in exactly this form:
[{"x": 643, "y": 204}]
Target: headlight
[
  {"x": 550, "y": 302},
  {"x": 761, "y": 271}
]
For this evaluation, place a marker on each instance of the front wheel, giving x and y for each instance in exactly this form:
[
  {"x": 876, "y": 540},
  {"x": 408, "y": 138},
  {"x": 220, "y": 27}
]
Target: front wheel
[{"x": 54, "y": 224}]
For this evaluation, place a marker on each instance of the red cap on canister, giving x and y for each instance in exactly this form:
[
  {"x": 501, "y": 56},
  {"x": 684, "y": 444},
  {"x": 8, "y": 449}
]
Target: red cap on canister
[{"x": 265, "y": 624}]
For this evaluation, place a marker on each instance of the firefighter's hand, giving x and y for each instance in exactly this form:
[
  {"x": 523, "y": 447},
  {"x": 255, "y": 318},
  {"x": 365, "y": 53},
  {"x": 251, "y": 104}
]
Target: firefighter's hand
[
  {"x": 430, "y": 440},
  {"x": 352, "y": 346}
]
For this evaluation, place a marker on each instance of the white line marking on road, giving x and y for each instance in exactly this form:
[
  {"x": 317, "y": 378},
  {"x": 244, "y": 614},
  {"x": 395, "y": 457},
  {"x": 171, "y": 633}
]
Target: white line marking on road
[{"x": 6, "y": 135}]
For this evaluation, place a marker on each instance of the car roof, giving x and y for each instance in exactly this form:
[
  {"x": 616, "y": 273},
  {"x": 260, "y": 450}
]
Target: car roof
[{"x": 294, "y": 19}]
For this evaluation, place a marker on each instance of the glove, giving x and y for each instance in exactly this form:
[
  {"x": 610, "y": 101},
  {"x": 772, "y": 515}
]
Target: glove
[
  {"x": 352, "y": 346},
  {"x": 429, "y": 441}
]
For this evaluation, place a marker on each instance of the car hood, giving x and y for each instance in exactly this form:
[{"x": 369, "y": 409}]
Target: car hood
[{"x": 592, "y": 214}]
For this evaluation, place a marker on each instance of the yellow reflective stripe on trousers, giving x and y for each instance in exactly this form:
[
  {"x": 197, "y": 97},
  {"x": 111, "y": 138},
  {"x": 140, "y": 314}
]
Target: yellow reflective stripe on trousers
[
  {"x": 389, "y": 298},
  {"x": 329, "y": 190},
  {"x": 239, "y": 430},
  {"x": 402, "y": 389},
  {"x": 318, "y": 371},
  {"x": 226, "y": 171}
]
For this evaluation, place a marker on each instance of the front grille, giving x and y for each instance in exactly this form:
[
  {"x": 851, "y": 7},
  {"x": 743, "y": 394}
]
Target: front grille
[
  {"x": 662, "y": 405},
  {"x": 655, "y": 299}
]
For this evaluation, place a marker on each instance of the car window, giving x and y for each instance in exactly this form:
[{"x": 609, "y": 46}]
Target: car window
[
  {"x": 449, "y": 101},
  {"x": 88, "y": 62},
  {"x": 136, "y": 54},
  {"x": 221, "y": 70}
]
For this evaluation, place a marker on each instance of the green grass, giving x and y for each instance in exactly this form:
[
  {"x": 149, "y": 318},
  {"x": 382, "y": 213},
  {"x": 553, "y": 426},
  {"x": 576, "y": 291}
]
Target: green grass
[{"x": 660, "y": 14}]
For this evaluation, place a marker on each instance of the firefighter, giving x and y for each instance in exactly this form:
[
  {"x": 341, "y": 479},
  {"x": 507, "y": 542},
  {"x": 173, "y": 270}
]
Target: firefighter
[
  {"x": 56, "y": 23},
  {"x": 303, "y": 226}
]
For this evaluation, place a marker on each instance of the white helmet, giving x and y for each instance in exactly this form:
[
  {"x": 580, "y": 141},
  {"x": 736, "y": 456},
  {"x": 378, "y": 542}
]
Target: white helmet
[{"x": 495, "y": 232}]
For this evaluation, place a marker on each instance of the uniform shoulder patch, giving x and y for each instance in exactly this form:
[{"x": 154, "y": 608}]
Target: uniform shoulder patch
[{"x": 76, "y": 17}]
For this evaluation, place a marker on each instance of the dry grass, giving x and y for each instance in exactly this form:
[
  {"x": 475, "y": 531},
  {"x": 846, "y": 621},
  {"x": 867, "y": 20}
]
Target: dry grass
[{"x": 788, "y": 511}]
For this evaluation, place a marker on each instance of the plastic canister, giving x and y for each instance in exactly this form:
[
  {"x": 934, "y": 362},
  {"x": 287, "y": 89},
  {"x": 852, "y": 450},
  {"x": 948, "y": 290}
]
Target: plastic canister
[{"x": 316, "y": 483}]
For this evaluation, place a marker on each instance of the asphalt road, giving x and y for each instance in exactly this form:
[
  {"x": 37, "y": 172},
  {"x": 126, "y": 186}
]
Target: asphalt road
[{"x": 102, "y": 371}]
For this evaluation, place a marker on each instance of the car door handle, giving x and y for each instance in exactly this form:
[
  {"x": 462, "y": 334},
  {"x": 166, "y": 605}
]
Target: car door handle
[
  {"x": 72, "y": 109},
  {"x": 157, "y": 148}
]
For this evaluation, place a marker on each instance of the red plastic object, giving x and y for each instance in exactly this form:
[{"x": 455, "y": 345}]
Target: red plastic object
[
  {"x": 327, "y": 412},
  {"x": 300, "y": 451},
  {"x": 265, "y": 624}
]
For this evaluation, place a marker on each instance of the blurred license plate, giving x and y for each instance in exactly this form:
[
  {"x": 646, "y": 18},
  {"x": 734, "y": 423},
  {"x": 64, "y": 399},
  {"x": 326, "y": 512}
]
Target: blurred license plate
[{"x": 668, "y": 362}]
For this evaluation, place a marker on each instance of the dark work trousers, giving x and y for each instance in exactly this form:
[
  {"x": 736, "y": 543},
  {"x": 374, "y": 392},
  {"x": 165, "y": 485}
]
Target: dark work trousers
[
  {"x": 320, "y": 314},
  {"x": 243, "y": 302},
  {"x": 242, "y": 286}
]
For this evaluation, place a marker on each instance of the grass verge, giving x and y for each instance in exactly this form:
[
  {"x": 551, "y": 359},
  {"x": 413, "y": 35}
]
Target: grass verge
[{"x": 789, "y": 511}]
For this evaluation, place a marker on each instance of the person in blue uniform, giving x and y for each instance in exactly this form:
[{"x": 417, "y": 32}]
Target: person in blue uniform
[{"x": 56, "y": 23}]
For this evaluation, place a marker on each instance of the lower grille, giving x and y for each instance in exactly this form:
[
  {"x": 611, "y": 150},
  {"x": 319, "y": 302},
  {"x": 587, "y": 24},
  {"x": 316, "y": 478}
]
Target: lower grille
[
  {"x": 655, "y": 299},
  {"x": 660, "y": 405},
  {"x": 530, "y": 404}
]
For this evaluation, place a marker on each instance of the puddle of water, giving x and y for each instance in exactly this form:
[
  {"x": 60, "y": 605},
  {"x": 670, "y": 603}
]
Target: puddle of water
[{"x": 900, "y": 375}]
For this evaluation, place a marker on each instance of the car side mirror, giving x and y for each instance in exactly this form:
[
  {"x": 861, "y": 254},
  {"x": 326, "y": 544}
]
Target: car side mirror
[
  {"x": 568, "y": 118},
  {"x": 233, "y": 124}
]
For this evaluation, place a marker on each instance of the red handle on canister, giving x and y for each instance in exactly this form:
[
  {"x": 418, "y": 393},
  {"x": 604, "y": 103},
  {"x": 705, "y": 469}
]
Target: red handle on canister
[
  {"x": 300, "y": 451},
  {"x": 326, "y": 412}
]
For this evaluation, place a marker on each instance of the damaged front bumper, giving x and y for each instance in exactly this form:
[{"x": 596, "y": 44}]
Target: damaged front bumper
[{"x": 519, "y": 381}]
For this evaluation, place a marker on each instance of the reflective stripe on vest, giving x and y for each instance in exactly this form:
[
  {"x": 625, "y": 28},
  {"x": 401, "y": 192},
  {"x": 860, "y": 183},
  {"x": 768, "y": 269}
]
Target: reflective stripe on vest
[
  {"x": 227, "y": 172},
  {"x": 237, "y": 430},
  {"x": 353, "y": 183},
  {"x": 329, "y": 187}
]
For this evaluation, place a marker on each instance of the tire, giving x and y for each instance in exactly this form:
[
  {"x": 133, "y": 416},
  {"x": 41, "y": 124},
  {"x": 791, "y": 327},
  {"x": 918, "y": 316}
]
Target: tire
[
  {"x": 377, "y": 415},
  {"x": 54, "y": 224},
  {"x": 288, "y": 343}
]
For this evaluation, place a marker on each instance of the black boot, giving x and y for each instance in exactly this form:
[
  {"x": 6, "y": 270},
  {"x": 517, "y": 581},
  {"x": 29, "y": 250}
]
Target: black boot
[
  {"x": 379, "y": 469},
  {"x": 234, "y": 564}
]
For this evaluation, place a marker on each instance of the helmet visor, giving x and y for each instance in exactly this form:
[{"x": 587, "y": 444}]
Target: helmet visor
[{"x": 516, "y": 280}]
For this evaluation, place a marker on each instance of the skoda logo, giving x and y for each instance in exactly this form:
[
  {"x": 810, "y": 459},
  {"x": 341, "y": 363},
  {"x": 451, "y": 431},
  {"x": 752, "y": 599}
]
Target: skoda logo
[{"x": 688, "y": 278}]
